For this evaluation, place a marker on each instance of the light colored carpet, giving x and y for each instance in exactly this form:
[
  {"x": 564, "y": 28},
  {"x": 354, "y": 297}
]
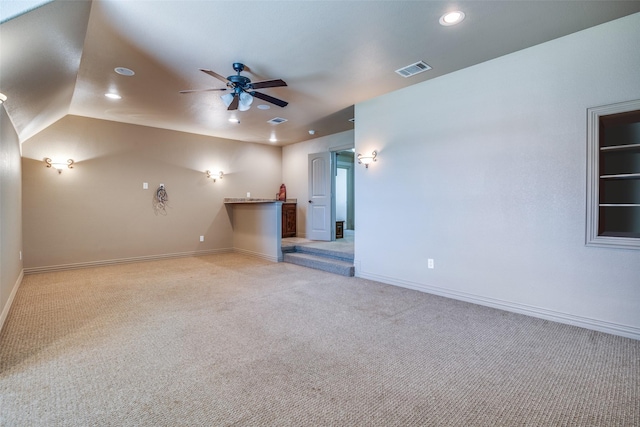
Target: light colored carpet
[{"x": 229, "y": 340}]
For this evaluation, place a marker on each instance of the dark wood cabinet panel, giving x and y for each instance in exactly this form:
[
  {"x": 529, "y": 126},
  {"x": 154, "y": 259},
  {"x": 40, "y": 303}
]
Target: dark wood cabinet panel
[{"x": 289, "y": 220}]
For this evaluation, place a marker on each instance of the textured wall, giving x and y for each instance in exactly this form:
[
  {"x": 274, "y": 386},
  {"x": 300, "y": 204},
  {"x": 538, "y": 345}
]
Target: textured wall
[
  {"x": 10, "y": 213},
  {"x": 484, "y": 171},
  {"x": 98, "y": 210}
]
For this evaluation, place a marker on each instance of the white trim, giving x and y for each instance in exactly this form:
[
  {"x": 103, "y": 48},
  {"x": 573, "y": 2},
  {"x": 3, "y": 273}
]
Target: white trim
[
  {"x": 12, "y": 295},
  {"x": 542, "y": 313},
  {"x": 74, "y": 266},
  {"x": 342, "y": 147},
  {"x": 279, "y": 258},
  {"x": 593, "y": 177}
]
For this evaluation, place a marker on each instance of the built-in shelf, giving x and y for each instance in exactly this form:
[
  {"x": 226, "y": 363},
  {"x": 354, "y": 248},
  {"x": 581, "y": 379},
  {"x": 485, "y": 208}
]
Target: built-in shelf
[
  {"x": 613, "y": 194},
  {"x": 621, "y": 176},
  {"x": 626, "y": 235},
  {"x": 621, "y": 147}
]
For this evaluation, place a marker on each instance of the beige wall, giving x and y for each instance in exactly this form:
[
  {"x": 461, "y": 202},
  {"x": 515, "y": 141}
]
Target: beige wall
[
  {"x": 295, "y": 169},
  {"x": 98, "y": 211},
  {"x": 10, "y": 214}
]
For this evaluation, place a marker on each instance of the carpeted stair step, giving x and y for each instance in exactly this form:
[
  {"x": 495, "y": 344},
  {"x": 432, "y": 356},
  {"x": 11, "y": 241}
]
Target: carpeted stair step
[
  {"x": 327, "y": 253},
  {"x": 319, "y": 262}
]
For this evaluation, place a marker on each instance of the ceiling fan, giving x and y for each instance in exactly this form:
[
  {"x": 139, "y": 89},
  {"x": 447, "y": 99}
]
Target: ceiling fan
[{"x": 242, "y": 89}]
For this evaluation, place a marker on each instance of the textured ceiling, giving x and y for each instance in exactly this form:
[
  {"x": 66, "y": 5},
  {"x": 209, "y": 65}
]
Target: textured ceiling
[{"x": 59, "y": 59}]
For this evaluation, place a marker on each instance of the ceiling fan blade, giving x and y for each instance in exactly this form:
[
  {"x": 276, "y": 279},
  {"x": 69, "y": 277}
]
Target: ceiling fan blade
[
  {"x": 234, "y": 103},
  {"x": 214, "y": 74},
  {"x": 271, "y": 99},
  {"x": 268, "y": 83},
  {"x": 199, "y": 90}
]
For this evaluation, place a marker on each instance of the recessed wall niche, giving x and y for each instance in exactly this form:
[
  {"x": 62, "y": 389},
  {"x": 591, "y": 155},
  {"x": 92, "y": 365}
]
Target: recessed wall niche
[{"x": 613, "y": 181}]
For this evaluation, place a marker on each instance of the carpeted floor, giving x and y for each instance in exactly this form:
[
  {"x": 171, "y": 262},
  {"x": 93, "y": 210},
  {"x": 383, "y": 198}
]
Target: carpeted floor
[{"x": 229, "y": 340}]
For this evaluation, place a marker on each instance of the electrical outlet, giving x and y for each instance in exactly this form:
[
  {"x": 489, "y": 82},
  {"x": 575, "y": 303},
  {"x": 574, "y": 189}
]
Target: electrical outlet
[
  {"x": 20, "y": 255},
  {"x": 145, "y": 185},
  {"x": 248, "y": 194},
  {"x": 430, "y": 263},
  {"x": 202, "y": 238}
]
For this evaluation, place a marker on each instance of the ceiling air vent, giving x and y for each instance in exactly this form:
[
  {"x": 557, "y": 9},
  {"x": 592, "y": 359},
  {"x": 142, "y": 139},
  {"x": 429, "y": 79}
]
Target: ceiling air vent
[
  {"x": 413, "y": 69},
  {"x": 276, "y": 120}
]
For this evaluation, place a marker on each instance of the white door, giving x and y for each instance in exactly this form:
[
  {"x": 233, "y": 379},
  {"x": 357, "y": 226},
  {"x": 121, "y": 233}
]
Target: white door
[{"x": 319, "y": 209}]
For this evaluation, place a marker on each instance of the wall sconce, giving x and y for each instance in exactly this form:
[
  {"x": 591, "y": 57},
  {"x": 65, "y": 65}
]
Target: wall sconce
[
  {"x": 367, "y": 160},
  {"x": 59, "y": 165},
  {"x": 220, "y": 175}
]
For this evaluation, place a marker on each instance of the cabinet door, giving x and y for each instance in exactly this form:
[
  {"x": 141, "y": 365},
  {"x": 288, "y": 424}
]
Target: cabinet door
[{"x": 289, "y": 220}]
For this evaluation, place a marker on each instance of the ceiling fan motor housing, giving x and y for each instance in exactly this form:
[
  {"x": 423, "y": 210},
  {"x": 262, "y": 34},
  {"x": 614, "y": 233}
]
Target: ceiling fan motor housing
[{"x": 241, "y": 81}]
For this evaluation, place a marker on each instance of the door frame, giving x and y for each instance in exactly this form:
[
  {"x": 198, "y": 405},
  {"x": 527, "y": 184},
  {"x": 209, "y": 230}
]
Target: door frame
[{"x": 334, "y": 171}]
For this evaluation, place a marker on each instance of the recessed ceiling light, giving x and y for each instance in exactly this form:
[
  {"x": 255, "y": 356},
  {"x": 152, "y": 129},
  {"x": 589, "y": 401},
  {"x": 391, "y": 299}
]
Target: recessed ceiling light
[
  {"x": 113, "y": 95},
  {"x": 451, "y": 18},
  {"x": 124, "y": 71},
  {"x": 273, "y": 139},
  {"x": 263, "y": 107},
  {"x": 234, "y": 120}
]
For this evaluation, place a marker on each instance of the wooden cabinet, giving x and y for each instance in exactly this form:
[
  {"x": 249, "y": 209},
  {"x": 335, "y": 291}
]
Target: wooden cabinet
[
  {"x": 289, "y": 220},
  {"x": 615, "y": 171}
]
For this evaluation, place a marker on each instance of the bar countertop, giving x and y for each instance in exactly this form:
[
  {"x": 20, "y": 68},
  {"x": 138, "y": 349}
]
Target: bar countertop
[{"x": 231, "y": 200}]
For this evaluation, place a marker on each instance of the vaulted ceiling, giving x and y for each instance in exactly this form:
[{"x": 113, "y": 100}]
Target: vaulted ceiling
[{"x": 59, "y": 58}]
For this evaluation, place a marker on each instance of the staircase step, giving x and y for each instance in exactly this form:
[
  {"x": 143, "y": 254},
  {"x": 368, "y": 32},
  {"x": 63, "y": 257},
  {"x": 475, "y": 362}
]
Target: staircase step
[
  {"x": 342, "y": 256},
  {"x": 331, "y": 265}
]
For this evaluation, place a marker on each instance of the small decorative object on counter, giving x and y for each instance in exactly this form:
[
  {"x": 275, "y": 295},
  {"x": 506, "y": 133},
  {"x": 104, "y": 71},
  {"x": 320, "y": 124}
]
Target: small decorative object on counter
[{"x": 282, "y": 195}]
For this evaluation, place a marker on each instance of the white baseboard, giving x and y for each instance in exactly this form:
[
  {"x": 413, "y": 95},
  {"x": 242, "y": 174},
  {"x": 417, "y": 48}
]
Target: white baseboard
[
  {"x": 89, "y": 264},
  {"x": 542, "y": 313},
  {"x": 12, "y": 295}
]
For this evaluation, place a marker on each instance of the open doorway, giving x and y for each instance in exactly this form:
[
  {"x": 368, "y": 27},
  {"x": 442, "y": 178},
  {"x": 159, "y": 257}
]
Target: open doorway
[{"x": 344, "y": 191}]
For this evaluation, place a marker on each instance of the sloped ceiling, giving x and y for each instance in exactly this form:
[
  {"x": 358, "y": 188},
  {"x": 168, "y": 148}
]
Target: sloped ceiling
[
  {"x": 59, "y": 59},
  {"x": 40, "y": 54}
]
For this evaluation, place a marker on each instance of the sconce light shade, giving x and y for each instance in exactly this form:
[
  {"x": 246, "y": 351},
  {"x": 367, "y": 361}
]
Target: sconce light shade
[
  {"x": 367, "y": 160},
  {"x": 209, "y": 175},
  {"x": 59, "y": 165}
]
